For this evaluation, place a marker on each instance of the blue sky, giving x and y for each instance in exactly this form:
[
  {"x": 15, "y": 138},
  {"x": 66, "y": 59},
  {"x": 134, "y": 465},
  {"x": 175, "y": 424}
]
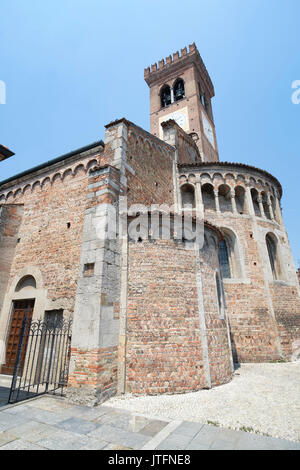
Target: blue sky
[{"x": 72, "y": 66}]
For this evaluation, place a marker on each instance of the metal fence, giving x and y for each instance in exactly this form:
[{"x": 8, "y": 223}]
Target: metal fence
[{"x": 42, "y": 361}]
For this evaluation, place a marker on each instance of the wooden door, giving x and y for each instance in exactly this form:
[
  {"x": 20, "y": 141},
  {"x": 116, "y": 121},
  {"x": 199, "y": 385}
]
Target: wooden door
[{"x": 20, "y": 309}]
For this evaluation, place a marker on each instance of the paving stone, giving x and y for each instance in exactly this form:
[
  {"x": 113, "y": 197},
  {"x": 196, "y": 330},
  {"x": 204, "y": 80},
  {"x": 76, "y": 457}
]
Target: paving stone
[
  {"x": 114, "y": 419},
  {"x": 33, "y": 431},
  {"x": 188, "y": 429},
  {"x": 77, "y": 425},
  {"x": 48, "y": 423},
  {"x": 42, "y": 416},
  {"x": 5, "y": 437},
  {"x": 289, "y": 445},
  {"x": 153, "y": 427},
  {"x": 49, "y": 404},
  {"x": 116, "y": 447},
  {"x": 64, "y": 440},
  {"x": 87, "y": 412},
  {"x": 209, "y": 434},
  {"x": 175, "y": 441},
  {"x": 221, "y": 444},
  {"x": 8, "y": 421},
  {"x": 248, "y": 441},
  {"x": 108, "y": 433},
  {"x": 21, "y": 444},
  {"x": 119, "y": 436},
  {"x": 135, "y": 440},
  {"x": 128, "y": 422},
  {"x": 94, "y": 444},
  {"x": 197, "y": 446},
  {"x": 15, "y": 410}
]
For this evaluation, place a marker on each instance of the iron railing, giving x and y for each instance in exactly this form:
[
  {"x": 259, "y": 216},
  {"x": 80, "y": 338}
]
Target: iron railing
[{"x": 42, "y": 361}]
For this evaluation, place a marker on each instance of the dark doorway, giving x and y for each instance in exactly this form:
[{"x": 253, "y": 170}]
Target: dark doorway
[{"x": 21, "y": 309}]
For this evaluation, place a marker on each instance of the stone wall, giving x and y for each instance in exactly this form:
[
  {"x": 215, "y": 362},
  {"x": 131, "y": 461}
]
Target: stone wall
[{"x": 94, "y": 351}]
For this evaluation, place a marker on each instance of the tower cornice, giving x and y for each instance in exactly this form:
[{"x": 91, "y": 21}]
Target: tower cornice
[{"x": 158, "y": 72}]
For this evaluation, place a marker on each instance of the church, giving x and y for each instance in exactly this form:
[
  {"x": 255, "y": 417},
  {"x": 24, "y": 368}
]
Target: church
[{"x": 150, "y": 314}]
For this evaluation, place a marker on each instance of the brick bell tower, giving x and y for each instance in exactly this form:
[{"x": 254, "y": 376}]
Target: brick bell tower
[{"x": 181, "y": 89}]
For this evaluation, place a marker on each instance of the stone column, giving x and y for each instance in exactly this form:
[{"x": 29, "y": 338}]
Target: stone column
[
  {"x": 93, "y": 373},
  {"x": 261, "y": 207},
  {"x": 249, "y": 202},
  {"x": 233, "y": 202},
  {"x": 199, "y": 201},
  {"x": 270, "y": 208},
  {"x": 216, "y": 194},
  {"x": 94, "y": 348},
  {"x": 278, "y": 211},
  {"x": 172, "y": 95}
]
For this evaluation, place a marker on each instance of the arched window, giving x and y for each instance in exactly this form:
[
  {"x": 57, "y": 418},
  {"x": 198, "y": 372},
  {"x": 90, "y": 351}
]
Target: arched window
[
  {"x": 240, "y": 200},
  {"x": 265, "y": 204},
  {"x": 230, "y": 256},
  {"x": 272, "y": 248},
  {"x": 225, "y": 198},
  {"x": 254, "y": 196},
  {"x": 187, "y": 195},
  {"x": 165, "y": 96},
  {"x": 208, "y": 196},
  {"x": 201, "y": 95},
  {"x": 224, "y": 260},
  {"x": 26, "y": 281},
  {"x": 205, "y": 101},
  {"x": 179, "y": 93},
  {"x": 275, "y": 212}
]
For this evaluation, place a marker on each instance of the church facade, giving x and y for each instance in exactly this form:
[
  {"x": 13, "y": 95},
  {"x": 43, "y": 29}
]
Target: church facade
[{"x": 151, "y": 313}]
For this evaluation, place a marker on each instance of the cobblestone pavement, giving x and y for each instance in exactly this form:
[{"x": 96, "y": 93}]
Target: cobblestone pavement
[{"x": 53, "y": 423}]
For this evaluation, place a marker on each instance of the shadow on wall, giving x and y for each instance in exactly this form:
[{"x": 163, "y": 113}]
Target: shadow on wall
[{"x": 234, "y": 351}]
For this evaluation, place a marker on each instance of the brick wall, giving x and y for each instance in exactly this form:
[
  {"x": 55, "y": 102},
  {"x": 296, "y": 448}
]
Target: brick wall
[
  {"x": 51, "y": 230},
  {"x": 152, "y": 163},
  {"x": 164, "y": 336},
  {"x": 287, "y": 307},
  {"x": 219, "y": 348},
  {"x": 264, "y": 313},
  {"x": 10, "y": 221}
]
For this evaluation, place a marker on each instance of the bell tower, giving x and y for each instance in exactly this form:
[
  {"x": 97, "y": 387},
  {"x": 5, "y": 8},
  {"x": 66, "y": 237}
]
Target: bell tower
[{"x": 181, "y": 89}]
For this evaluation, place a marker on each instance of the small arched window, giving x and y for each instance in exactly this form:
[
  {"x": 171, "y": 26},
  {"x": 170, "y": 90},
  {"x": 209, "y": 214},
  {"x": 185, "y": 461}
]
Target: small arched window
[
  {"x": 179, "y": 93},
  {"x": 26, "y": 281},
  {"x": 201, "y": 95},
  {"x": 165, "y": 96},
  {"x": 187, "y": 195},
  {"x": 230, "y": 258},
  {"x": 265, "y": 204},
  {"x": 275, "y": 212},
  {"x": 208, "y": 196},
  {"x": 224, "y": 259},
  {"x": 272, "y": 248},
  {"x": 240, "y": 200},
  {"x": 254, "y": 197},
  {"x": 224, "y": 198}
]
